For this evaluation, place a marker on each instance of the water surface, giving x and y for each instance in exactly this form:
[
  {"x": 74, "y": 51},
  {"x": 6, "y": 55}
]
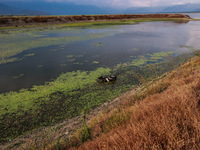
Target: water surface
[
  {"x": 194, "y": 15},
  {"x": 98, "y": 47}
]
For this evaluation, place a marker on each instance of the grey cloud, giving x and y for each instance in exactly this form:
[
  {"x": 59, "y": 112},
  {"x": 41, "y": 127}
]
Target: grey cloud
[{"x": 122, "y": 3}]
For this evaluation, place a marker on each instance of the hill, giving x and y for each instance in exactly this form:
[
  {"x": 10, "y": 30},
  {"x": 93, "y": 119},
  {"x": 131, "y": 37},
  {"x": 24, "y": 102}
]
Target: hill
[
  {"x": 9, "y": 10},
  {"x": 182, "y": 8},
  {"x": 140, "y": 10},
  {"x": 55, "y": 8},
  {"x": 6, "y": 10},
  {"x": 197, "y": 10},
  {"x": 168, "y": 9},
  {"x": 29, "y": 12},
  {"x": 69, "y": 8}
]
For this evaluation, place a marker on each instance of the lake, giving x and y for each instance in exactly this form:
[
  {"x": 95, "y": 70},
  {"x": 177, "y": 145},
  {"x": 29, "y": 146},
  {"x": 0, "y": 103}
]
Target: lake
[
  {"x": 193, "y": 15},
  {"x": 86, "y": 49}
]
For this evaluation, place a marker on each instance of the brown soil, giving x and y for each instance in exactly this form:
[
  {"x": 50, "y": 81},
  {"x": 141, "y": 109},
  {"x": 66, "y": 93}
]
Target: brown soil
[{"x": 40, "y": 20}]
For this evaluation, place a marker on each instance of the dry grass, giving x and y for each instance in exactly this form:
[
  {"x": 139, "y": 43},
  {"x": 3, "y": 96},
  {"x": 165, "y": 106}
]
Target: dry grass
[{"x": 168, "y": 117}]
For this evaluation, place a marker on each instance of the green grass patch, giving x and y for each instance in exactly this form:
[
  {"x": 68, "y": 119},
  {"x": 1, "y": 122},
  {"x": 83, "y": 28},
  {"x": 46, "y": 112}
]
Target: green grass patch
[{"x": 99, "y": 23}]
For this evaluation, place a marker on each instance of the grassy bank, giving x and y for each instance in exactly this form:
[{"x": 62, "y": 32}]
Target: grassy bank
[{"x": 118, "y": 22}]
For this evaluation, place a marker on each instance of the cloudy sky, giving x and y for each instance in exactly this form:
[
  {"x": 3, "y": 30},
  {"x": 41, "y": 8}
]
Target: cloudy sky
[
  {"x": 131, "y": 3},
  {"x": 122, "y": 3}
]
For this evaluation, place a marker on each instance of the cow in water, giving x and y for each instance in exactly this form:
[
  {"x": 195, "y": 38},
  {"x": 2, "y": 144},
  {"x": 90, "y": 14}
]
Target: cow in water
[{"x": 107, "y": 79}]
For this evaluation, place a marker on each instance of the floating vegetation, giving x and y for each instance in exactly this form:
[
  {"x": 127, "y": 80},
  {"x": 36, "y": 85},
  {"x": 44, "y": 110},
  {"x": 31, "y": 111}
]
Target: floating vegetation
[
  {"x": 29, "y": 55},
  {"x": 3, "y": 61},
  {"x": 63, "y": 98},
  {"x": 79, "y": 56},
  {"x": 14, "y": 42},
  {"x": 136, "y": 49},
  {"x": 63, "y": 65},
  {"x": 139, "y": 61},
  {"x": 97, "y": 44},
  {"x": 70, "y": 56},
  {"x": 39, "y": 66},
  {"x": 154, "y": 58},
  {"x": 54, "y": 50},
  {"x": 185, "y": 46},
  {"x": 160, "y": 55},
  {"x": 95, "y": 56},
  {"x": 71, "y": 60},
  {"x": 19, "y": 76},
  {"x": 97, "y": 24},
  {"x": 63, "y": 46},
  {"x": 77, "y": 63},
  {"x": 95, "y": 62}
]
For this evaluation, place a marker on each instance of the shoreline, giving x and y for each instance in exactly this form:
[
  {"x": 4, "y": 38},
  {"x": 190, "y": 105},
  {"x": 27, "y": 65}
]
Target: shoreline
[{"x": 17, "y": 21}]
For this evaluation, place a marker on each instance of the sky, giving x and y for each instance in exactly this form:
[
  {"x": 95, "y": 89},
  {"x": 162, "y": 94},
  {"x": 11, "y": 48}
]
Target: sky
[
  {"x": 132, "y": 3},
  {"x": 123, "y": 3}
]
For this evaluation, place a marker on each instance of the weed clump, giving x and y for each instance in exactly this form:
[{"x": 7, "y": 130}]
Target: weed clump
[{"x": 85, "y": 134}]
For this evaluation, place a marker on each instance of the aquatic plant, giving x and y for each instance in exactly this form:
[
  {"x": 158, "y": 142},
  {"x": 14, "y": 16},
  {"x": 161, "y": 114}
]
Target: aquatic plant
[
  {"x": 19, "y": 76},
  {"x": 15, "y": 43},
  {"x": 95, "y": 62}
]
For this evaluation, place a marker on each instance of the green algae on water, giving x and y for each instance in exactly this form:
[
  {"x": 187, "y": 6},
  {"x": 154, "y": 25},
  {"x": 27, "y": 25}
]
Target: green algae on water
[
  {"x": 15, "y": 43},
  {"x": 95, "y": 62},
  {"x": 29, "y": 55},
  {"x": 19, "y": 76}
]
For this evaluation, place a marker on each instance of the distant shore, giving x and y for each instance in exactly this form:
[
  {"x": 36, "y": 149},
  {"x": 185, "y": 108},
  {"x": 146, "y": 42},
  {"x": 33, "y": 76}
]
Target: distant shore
[{"x": 16, "y": 21}]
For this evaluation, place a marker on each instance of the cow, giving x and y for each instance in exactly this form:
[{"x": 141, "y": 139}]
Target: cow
[{"x": 107, "y": 79}]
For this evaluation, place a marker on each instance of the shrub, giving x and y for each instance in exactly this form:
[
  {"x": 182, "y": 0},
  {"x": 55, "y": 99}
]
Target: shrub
[{"x": 84, "y": 134}]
